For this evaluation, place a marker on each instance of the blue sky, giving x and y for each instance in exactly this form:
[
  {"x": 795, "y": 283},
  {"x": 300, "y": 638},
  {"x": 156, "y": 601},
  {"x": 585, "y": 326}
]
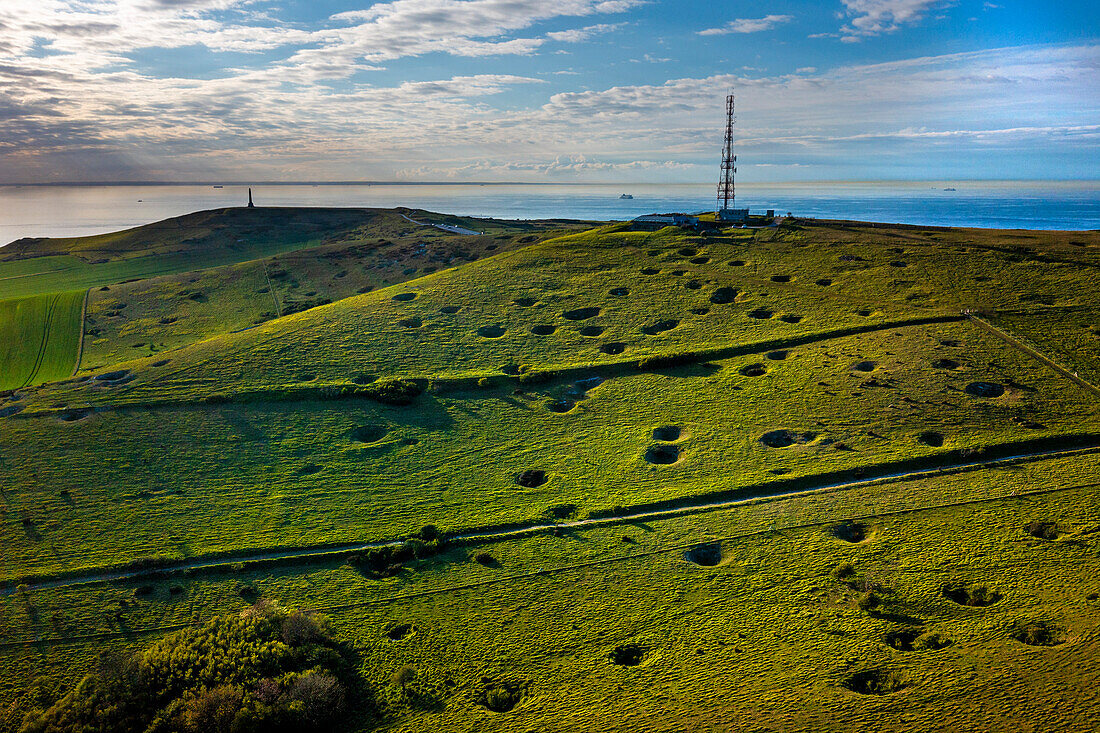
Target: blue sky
[{"x": 546, "y": 90}]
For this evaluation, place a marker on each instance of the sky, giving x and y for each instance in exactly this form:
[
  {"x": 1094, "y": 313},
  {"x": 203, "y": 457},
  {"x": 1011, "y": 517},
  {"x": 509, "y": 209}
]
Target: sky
[{"x": 554, "y": 91}]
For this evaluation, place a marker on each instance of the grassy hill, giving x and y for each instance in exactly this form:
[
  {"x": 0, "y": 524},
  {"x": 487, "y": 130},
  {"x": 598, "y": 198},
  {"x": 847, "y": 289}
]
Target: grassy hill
[
  {"x": 41, "y": 335},
  {"x": 596, "y": 402}
]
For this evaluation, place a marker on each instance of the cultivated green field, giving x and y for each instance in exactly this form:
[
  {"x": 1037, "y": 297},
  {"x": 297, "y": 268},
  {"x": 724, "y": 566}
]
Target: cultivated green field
[
  {"x": 636, "y": 465},
  {"x": 41, "y": 337}
]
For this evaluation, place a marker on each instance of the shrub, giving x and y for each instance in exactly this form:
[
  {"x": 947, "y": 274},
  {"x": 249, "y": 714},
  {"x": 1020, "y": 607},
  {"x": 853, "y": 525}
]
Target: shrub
[
  {"x": 391, "y": 391},
  {"x": 265, "y": 669},
  {"x": 869, "y": 602},
  {"x": 842, "y": 571},
  {"x": 537, "y": 377},
  {"x": 666, "y": 361}
]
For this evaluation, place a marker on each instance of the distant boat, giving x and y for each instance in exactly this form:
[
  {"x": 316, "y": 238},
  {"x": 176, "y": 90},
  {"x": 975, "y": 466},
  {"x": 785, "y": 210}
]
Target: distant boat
[
  {"x": 948, "y": 189},
  {"x": 626, "y": 196},
  {"x": 218, "y": 187}
]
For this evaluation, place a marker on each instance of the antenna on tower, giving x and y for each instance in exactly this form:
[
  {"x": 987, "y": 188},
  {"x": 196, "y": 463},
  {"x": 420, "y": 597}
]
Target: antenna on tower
[{"x": 726, "y": 191}]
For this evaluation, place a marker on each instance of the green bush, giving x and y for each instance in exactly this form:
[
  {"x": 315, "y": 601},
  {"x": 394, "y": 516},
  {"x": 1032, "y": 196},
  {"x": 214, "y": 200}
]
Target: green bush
[
  {"x": 391, "y": 391},
  {"x": 265, "y": 669},
  {"x": 665, "y": 361}
]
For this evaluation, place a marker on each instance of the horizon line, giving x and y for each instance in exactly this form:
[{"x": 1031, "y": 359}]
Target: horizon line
[{"x": 541, "y": 183}]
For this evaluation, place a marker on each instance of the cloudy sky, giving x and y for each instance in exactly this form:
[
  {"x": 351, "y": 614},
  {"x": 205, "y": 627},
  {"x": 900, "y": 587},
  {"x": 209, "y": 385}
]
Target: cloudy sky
[{"x": 546, "y": 90}]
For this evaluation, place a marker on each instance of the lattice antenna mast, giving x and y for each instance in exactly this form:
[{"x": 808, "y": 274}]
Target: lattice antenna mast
[{"x": 726, "y": 192}]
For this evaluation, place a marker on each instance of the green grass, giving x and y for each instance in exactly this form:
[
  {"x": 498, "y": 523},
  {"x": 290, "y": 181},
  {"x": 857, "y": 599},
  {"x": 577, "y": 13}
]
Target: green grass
[
  {"x": 41, "y": 335},
  {"x": 207, "y": 443}
]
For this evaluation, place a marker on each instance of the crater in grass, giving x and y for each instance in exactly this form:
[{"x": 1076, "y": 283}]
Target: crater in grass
[
  {"x": 543, "y": 330},
  {"x": 777, "y": 355},
  {"x": 784, "y": 438},
  {"x": 762, "y": 314},
  {"x": 752, "y": 370},
  {"x": 562, "y": 405},
  {"x": 985, "y": 389},
  {"x": 707, "y": 555},
  {"x": 525, "y": 302},
  {"x": 1037, "y": 633},
  {"x": 368, "y": 433},
  {"x": 790, "y": 318},
  {"x": 494, "y": 331},
  {"x": 581, "y": 314},
  {"x": 824, "y": 282},
  {"x": 413, "y": 322},
  {"x": 975, "y": 595},
  {"x": 724, "y": 295},
  {"x": 450, "y": 309},
  {"x": 945, "y": 364},
  {"x": 781, "y": 278},
  {"x": 613, "y": 348},
  {"x": 853, "y": 532},
  {"x": 660, "y": 326},
  {"x": 628, "y": 655},
  {"x": 400, "y": 631},
  {"x": 1043, "y": 530},
  {"x": 930, "y": 438},
  {"x": 404, "y": 297},
  {"x": 663, "y": 454},
  {"x": 667, "y": 433},
  {"x": 864, "y": 366},
  {"x": 619, "y": 291},
  {"x": 876, "y": 682},
  {"x": 531, "y": 478},
  {"x": 592, "y": 330}
]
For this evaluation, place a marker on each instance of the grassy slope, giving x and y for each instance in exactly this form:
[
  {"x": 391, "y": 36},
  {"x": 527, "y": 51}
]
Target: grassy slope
[
  {"x": 41, "y": 335},
  {"x": 748, "y": 642},
  {"x": 762, "y": 641}
]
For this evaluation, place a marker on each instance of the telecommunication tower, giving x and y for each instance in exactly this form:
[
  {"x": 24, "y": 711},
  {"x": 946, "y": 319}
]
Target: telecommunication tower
[{"x": 726, "y": 192}]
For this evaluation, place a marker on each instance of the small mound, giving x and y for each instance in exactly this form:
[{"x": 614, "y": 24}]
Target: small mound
[
  {"x": 662, "y": 454},
  {"x": 784, "y": 438},
  {"x": 413, "y": 322},
  {"x": 975, "y": 595},
  {"x": 628, "y": 655},
  {"x": 864, "y": 366},
  {"x": 790, "y": 318},
  {"x": 707, "y": 555},
  {"x": 930, "y": 438},
  {"x": 853, "y": 532},
  {"x": 581, "y": 314},
  {"x": 309, "y": 469},
  {"x": 781, "y": 278},
  {"x": 1043, "y": 530},
  {"x": 1037, "y": 633},
  {"x": 592, "y": 330},
  {"x": 945, "y": 364},
  {"x": 752, "y": 370},
  {"x": 491, "y": 332},
  {"x": 613, "y": 348},
  {"x": 543, "y": 330},
  {"x": 368, "y": 433},
  {"x": 985, "y": 389},
  {"x": 761, "y": 313},
  {"x": 399, "y": 632},
  {"x": 876, "y": 682},
  {"x": 531, "y": 478},
  {"x": 724, "y": 295},
  {"x": 930, "y": 641},
  {"x": 525, "y": 302},
  {"x": 824, "y": 282},
  {"x": 404, "y": 297},
  {"x": 667, "y": 433},
  {"x": 660, "y": 326},
  {"x": 619, "y": 291},
  {"x": 777, "y": 355},
  {"x": 450, "y": 309},
  {"x": 561, "y": 405}
]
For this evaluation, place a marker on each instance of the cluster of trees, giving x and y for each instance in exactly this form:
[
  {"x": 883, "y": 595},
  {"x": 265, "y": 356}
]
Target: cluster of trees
[{"x": 268, "y": 668}]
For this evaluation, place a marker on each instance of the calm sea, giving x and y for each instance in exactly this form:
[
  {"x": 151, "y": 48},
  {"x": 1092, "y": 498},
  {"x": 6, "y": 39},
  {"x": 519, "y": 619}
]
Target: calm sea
[{"x": 57, "y": 211}]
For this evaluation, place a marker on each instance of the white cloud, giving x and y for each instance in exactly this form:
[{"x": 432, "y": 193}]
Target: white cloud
[
  {"x": 874, "y": 17},
  {"x": 576, "y": 35},
  {"x": 748, "y": 25}
]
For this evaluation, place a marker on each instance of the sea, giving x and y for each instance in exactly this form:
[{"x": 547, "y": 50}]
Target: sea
[{"x": 69, "y": 211}]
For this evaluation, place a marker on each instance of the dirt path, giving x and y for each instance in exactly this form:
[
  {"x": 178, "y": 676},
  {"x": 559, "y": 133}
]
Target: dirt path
[
  {"x": 513, "y": 532},
  {"x": 1032, "y": 352}
]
